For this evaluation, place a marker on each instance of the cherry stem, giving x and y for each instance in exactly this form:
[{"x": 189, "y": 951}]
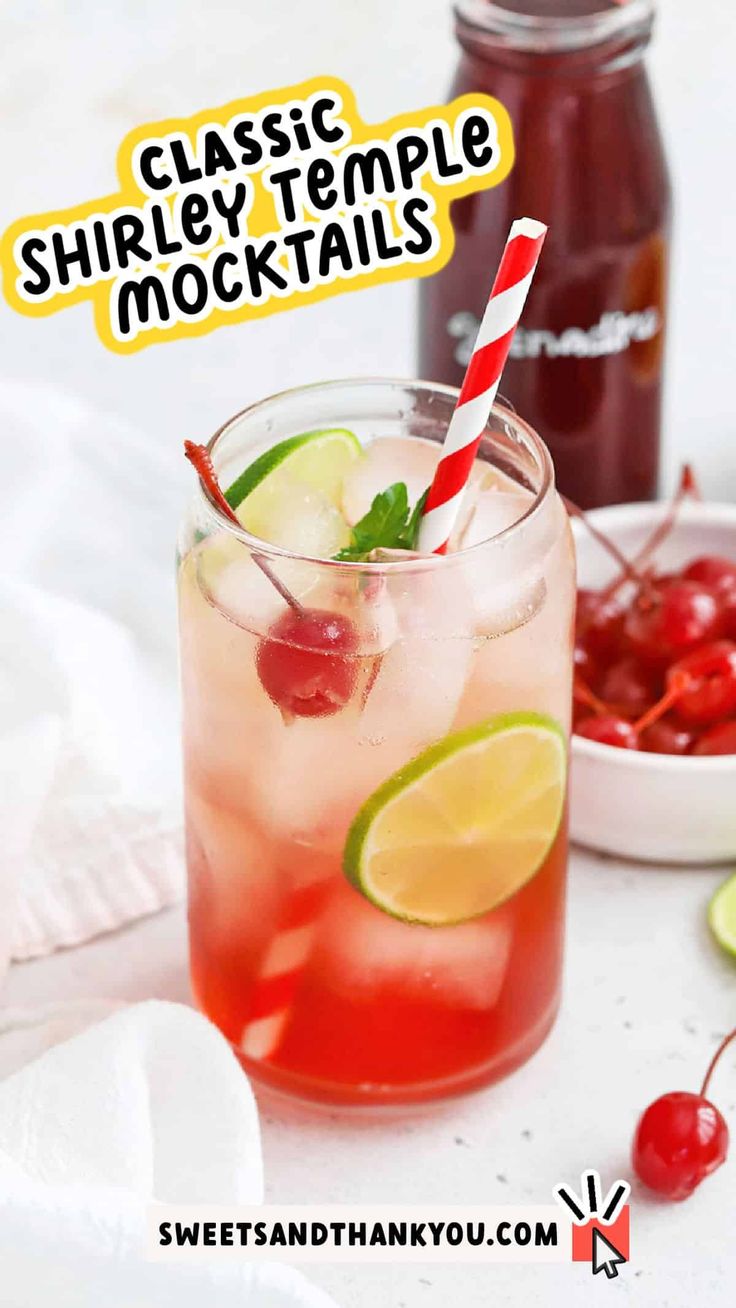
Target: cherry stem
[
  {"x": 712, "y": 1065},
  {"x": 584, "y": 695},
  {"x": 689, "y": 482},
  {"x": 201, "y": 460},
  {"x": 680, "y": 683},
  {"x": 687, "y": 487},
  {"x": 630, "y": 574},
  {"x": 634, "y": 570}
]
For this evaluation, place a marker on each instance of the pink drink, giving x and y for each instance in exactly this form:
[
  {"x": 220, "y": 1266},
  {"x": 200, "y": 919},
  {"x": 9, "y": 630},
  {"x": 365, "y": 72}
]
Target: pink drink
[{"x": 319, "y": 991}]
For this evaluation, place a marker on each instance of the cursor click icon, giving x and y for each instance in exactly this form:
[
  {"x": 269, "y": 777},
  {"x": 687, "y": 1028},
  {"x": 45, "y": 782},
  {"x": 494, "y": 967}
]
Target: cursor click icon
[
  {"x": 605, "y": 1257},
  {"x": 600, "y": 1222}
]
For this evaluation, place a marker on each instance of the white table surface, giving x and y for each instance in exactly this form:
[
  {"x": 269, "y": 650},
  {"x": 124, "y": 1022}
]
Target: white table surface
[{"x": 647, "y": 993}]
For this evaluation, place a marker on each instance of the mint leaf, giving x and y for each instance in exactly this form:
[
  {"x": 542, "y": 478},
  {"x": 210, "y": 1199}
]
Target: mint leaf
[
  {"x": 388, "y": 524},
  {"x": 385, "y": 519},
  {"x": 381, "y": 525}
]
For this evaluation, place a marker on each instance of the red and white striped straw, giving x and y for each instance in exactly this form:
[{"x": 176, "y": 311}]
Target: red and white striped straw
[
  {"x": 480, "y": 383},
  {"x": 281, "y": 971}
]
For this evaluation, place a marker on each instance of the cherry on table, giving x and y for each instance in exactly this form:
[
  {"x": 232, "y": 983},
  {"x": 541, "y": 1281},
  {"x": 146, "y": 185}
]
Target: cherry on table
[
  {"x": 307, "y": 664},
  {"x": 681, "y": 1138}
]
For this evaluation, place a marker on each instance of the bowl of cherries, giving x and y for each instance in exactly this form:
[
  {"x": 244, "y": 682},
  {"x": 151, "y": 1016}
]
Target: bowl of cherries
[{"x": 654, "y": 720}]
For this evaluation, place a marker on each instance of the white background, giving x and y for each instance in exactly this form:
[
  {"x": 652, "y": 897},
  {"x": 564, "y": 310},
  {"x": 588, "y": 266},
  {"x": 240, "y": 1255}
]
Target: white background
[{"x": 647, "y": 993}]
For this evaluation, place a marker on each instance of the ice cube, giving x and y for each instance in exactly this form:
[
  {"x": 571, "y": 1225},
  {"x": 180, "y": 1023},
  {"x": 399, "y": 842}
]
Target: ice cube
[
  {"x": 433, "y": 599},
  {"x": 229, "y": 577},
  {"x": 482, "y": 477},
  {"x": 245, "y": 594},
  {"x": 296, "y": 517},
  {"x": 415, "y": 695},
  {"x": 376, "y": 617},
  {"x": 492, "y": 511},
  {"x": 363, "y": 951},
  {"x": 388, "y": 459},
  {"x": 232, "y": 871},
  {"x": 416, "y": 690},
  {"x": 312, "y": 776},
  {"x": 527, "y": 666},
  {"x": 506, "y": 578},
  {"x": 227, "y": 716},
  {"x": 508, "y": 674}
]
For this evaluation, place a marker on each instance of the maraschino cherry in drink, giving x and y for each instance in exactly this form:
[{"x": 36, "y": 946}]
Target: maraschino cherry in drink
[{"x": 586, "y": 364}]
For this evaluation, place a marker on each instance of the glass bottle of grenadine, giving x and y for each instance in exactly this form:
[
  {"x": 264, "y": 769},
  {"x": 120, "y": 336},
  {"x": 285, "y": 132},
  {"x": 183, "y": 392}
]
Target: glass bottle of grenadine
[{"x": 586, "y": 363}]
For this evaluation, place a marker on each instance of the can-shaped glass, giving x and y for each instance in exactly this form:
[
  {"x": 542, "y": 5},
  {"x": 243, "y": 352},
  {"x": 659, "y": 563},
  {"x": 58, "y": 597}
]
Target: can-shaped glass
[{"x": 377, "y": 883}]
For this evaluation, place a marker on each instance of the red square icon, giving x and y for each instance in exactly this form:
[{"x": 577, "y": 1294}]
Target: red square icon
[{"x": 617, "y": 1234}]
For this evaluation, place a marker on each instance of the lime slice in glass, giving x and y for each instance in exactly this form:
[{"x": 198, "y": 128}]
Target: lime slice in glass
[
  {"x": 463, "y": 826},
  {"x": 722, "y": 915},
  {"x": 290, "y": 495}
]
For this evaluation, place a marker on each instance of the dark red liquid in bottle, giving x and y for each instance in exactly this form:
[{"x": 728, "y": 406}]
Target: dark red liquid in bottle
[{"x": 586, "y": 364}]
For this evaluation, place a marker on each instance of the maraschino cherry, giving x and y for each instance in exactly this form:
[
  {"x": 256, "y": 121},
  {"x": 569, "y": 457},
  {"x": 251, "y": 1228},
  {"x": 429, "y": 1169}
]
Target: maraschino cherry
[
  {"x": 608, "y": 729},
  {"x": 670, "y": 619},
  {"x": 655, "y": 652},
  {"x": 306, "y": 663},
  {"x": 720, "y": 574},
  {"x": 681, "y": 1138},
  {"x": 720, "y": 739},
  {"x": 629, "y": 687},
  {"x": 710, "y": 696},
  {"x": 599, "y": 624},
  {"x": 714, "y": 571},
  {"x": 666, "y": 736}
]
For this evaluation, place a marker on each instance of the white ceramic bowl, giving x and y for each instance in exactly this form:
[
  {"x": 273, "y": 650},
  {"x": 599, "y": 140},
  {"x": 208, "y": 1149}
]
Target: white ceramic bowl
[{"x": 655, "y": 807}]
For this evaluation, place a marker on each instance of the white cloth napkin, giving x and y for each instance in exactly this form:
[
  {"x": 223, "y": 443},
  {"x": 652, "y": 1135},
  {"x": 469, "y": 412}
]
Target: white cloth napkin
[
  {"x": 89, "y": 740},
  {"x": 149, "y": 1104}
]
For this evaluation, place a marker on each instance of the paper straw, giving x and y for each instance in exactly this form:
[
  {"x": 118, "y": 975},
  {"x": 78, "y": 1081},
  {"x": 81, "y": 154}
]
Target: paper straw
[
  {"x": 281, "y": 971},
  {"x": 480, "y": 383}
]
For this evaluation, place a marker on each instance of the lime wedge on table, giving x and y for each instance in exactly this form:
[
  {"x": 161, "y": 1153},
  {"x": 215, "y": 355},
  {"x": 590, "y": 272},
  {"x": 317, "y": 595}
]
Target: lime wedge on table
[
  {"x": 722, "y": 915},
  {"x": 463, "y": 826},
  {"x": 290, "y": 494}
]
